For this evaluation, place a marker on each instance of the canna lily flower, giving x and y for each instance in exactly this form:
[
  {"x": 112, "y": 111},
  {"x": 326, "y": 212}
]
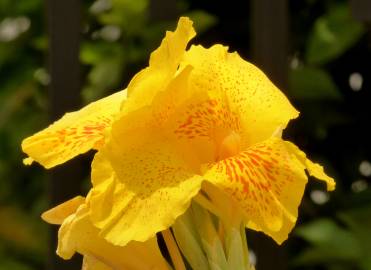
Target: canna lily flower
[
  {"x": 77, "y": 234},
  {"x": 198, "y": 123}
]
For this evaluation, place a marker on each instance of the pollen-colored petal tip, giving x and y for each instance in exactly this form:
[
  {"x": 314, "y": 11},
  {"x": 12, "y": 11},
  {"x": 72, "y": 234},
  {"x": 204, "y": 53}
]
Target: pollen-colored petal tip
[
  {"x": 317, "y": 171},
  {"x": 313, "y": 169},
  {"x": 28, "y": 161},
  {"x": 58, "y": 214}
]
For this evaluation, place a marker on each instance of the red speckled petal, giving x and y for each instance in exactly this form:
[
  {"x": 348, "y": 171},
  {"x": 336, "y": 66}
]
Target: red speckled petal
[
  {"x": 267, "y": 180},
  {"x": 75, "y": 133},
  {"x": 261, "y": 107},
  {"x": 203, "y": 119}
]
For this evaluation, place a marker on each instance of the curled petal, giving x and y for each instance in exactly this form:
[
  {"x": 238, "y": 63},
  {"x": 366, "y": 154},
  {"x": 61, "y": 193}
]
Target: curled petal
[
  {"x": 75, "y": 133},
  {"x": 267, "y": 181},
  {"x": 314, "y": 169},
  {"x": 108, "y": 196},
  {"x": 163, "y": 65},
  {"x": 77, "y": 234},
  {"x": 59, "y": 213},
  {"x": 159, "y": 184}
]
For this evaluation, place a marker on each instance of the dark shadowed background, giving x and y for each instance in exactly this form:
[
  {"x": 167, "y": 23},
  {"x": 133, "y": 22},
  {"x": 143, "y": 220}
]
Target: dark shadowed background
[{"x": 56, "y": 56}]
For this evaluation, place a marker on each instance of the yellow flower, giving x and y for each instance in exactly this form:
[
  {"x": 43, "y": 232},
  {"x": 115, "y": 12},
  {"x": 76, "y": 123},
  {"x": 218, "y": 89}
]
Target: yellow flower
[
  {"x": 193, "y": 119},
  {"x": 77, "y": 234}
]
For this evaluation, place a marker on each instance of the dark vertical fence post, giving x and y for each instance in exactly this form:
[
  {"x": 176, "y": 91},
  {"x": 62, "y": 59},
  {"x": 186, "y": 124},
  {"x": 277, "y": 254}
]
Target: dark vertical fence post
[
  {"x": 64, "y": 37},
  {"x": 269, "y": 41},
  {"x": 163, "y": 10},
  {"x": 269, "y": 37},
  {"x": 361, "y": 10}
]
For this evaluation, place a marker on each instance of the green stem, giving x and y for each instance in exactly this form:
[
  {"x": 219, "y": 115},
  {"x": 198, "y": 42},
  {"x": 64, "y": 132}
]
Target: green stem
[
  {"x": 245, "y": 246},
  {"x": 206, "y": 204}
]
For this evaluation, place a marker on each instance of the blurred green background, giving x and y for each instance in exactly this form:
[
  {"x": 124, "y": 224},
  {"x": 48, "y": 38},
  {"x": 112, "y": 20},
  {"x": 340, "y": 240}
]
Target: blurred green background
[{"x": 329, "y": 82}]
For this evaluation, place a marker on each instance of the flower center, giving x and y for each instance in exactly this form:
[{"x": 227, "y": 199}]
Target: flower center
[{"x": 229, "y": 146}]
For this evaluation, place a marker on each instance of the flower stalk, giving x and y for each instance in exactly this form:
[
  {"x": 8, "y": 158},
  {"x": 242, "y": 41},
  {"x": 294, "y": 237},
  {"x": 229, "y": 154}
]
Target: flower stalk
[
  {"x": 208, "y": 244},
  {"x": 174, "y": 252}
]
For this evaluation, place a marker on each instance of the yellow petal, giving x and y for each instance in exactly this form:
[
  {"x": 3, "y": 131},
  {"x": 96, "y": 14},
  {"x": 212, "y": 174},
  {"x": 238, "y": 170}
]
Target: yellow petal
[
  {"x": 75, "y": 133},
  {"x": 278, "y": 236},
  {"x": 163, "y": 65},
  {"x": 267, "y": 181},
  {"x": 314, "y": 169},
  {"x": 144, "y": 178},
  {"x": 169, "y": 117},
  {"x": 59, "y": 213},
  {"x": 160, "y": 182},
  {"x": 92, "y": 263},
  {"x": 77, "y": 234},
  {"x": 108, "y": 196},
  {"x": 259, "y": 104},
  {"x": 208, "y": 127}
]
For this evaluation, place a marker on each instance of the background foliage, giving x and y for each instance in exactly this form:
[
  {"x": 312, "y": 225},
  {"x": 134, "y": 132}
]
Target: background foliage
[{"x": 329, "y": 83}]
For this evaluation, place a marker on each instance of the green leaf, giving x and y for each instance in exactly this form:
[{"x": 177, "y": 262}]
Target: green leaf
[
  {"x": 359, "y": 222},
  {"x": 330, "y": 242},
  {"x": 7, "y": 264},
  {"x": 129, "y": 15},
  {"x": 202, "y": 20},
  {"x": 20, "y": 230},
  {"x": 312, "y": 84},
  {"x": 97, "y": 51},
  {"x": 333, "y": 34},
  {"x": 7, "y": 52}
]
